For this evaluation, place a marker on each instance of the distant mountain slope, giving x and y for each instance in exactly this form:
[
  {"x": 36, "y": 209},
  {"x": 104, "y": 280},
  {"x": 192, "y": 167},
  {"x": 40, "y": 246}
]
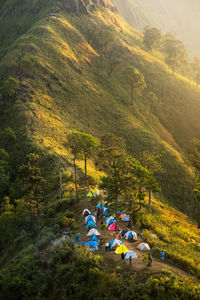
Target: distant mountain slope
[
  {"x": 59, "y": 53},
  {"x": 133, "y": 13},
  {"x": 182, "y": 18}
]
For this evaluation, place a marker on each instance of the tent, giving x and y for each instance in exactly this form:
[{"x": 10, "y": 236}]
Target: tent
[
  {"x": 90, "y": 194},
  {"x": 121, "y": 215},
  {"x": 105, "y": 211},
  {"x": 108, "y": 219},
  {"x": 112, "y": 227},
  {"x": 131, "y": 254},
  {"x": 91, "y": 249},
  {"x": 110, "y": 222},
  {"x": 92, "y": 244},
  {"x": 153, "y": 236},
  {"x": 123, "y": 232},
  {"x": 94, "y": 238},
  {"x": 130, "y": 234},
  {"x": 96, "y": 192},
  {"x": 121, "y": 212},
  {"x": 93, "y": 231},
  {"x": 86, "y": 212},
  {"x": 60, "y": 241},
  {"x": 125, "y": 218},
  {"x": 93, "y": 193},
  {"x": 143, "y": 247},
  {"x": 90, "y": 218},
  {"x": 121, "y": 249},
  {"x": 91, "y": 224},
  {"x": 115, "y": 243}
]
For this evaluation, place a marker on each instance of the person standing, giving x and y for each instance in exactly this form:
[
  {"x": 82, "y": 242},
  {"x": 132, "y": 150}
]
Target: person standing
[
  {"x": 149, "y": 260},
  {"x": 162, "y": 256},
  {"x": 107, "y": 247},
  {"x": 122, "y": 255}
]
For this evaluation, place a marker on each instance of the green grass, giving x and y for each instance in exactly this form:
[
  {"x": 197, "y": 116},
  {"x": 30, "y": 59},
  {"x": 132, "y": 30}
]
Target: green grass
[
  {"x": 66, "y": 87},
  {"x": 176, "y": 235}
]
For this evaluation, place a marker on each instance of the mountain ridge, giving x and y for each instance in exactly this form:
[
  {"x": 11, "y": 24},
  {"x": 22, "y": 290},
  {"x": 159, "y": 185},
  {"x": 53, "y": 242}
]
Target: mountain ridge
[{"x": 62, "y": 65}]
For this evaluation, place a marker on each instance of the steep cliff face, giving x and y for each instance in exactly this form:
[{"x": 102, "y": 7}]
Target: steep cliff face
[
  {"x": 133, "y": 13},
  {"x": 84, "y": 6}
]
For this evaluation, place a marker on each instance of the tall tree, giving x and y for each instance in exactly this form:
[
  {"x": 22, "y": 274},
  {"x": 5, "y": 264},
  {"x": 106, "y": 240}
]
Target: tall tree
[
  {"x": 88, "y": 144},
  {"x": 133, "y": 187},
  {"x": 136, "y": 82},
  {"x": 10, "y": 87},
  {"x": 4, "y": 173},
  {"x": 195, "y": 66},
  {"x": 110, "y": 159},
  {"x": 74, "y": 143},
  {"x": 151, "y": 162},
  {"x": 175, "y": 53},
  {"x": 152, "y": 37},
  {"x": 30, "y": 176}
]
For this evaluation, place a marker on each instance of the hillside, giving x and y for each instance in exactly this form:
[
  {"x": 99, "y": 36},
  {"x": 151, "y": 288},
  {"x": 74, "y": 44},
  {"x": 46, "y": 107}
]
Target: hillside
[
  {"x": 178, "y": 17},
  {"x": 62, "y": 86},
  {"x": 64, "y": 65}
]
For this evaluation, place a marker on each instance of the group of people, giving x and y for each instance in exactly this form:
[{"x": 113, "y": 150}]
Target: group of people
[{"x": 100, "y": 216}]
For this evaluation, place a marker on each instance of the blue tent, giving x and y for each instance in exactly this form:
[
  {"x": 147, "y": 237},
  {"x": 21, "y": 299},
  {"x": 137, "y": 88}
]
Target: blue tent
[
  {"x": 89, "y": 218},
  {"x": 131, "y": 254},
  {"x": 125, "y": 218},
  {"x": 94, "y": 238},
  {"x": 130, "y": 234},
  {"x": 102, "y": 206},
  {"x": 115, "y": 243},
  {"x": 105, "y": 211},
  {"x": 91, "y": 224},
  {"x": 110, "y": 222},
  {"x": 123, "y": 232},
  {"x": 92, "y": 244},
  {"x": 107, "y": 218}
]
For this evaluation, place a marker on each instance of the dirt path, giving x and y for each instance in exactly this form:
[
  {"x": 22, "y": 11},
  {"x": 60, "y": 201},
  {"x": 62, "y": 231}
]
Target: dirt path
[{"x": 136, "y": 264}]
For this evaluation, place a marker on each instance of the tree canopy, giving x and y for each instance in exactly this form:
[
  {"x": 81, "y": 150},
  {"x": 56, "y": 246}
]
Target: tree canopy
[{"x": 152, "y": 37}]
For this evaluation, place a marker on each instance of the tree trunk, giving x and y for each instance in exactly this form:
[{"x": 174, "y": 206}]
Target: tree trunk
[
  {"x": 149, "y": 199},
  {"x": 11, "y": 240},
  {"x": 60, "y": 176},
  {"x": 131, "y": 94},
  {"x": 85, "y": 167},
  {"x": 75, "y": 180},
  {"x": 38, "y": 232},
  {"x": 131, "y": 221},
  {"x": 116, "y": 209}
]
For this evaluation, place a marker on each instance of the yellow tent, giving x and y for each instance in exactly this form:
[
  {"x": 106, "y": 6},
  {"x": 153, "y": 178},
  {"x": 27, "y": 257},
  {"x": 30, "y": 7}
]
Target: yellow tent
[{"x": 121, "y": 249}]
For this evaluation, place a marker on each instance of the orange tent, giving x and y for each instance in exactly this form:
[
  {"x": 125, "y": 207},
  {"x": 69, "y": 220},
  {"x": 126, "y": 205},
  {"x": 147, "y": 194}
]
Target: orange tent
[{"x": 121, "y": 216}]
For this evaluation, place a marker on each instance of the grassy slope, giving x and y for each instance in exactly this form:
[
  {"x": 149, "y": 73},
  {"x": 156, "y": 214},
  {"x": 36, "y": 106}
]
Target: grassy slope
[
  {"x": 65, "y": 86},
  {"x": 176, "y": 235}
]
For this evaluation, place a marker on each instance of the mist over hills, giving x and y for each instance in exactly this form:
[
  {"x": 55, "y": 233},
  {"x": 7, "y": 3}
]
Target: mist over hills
[{"x": 182, "y": 18}]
